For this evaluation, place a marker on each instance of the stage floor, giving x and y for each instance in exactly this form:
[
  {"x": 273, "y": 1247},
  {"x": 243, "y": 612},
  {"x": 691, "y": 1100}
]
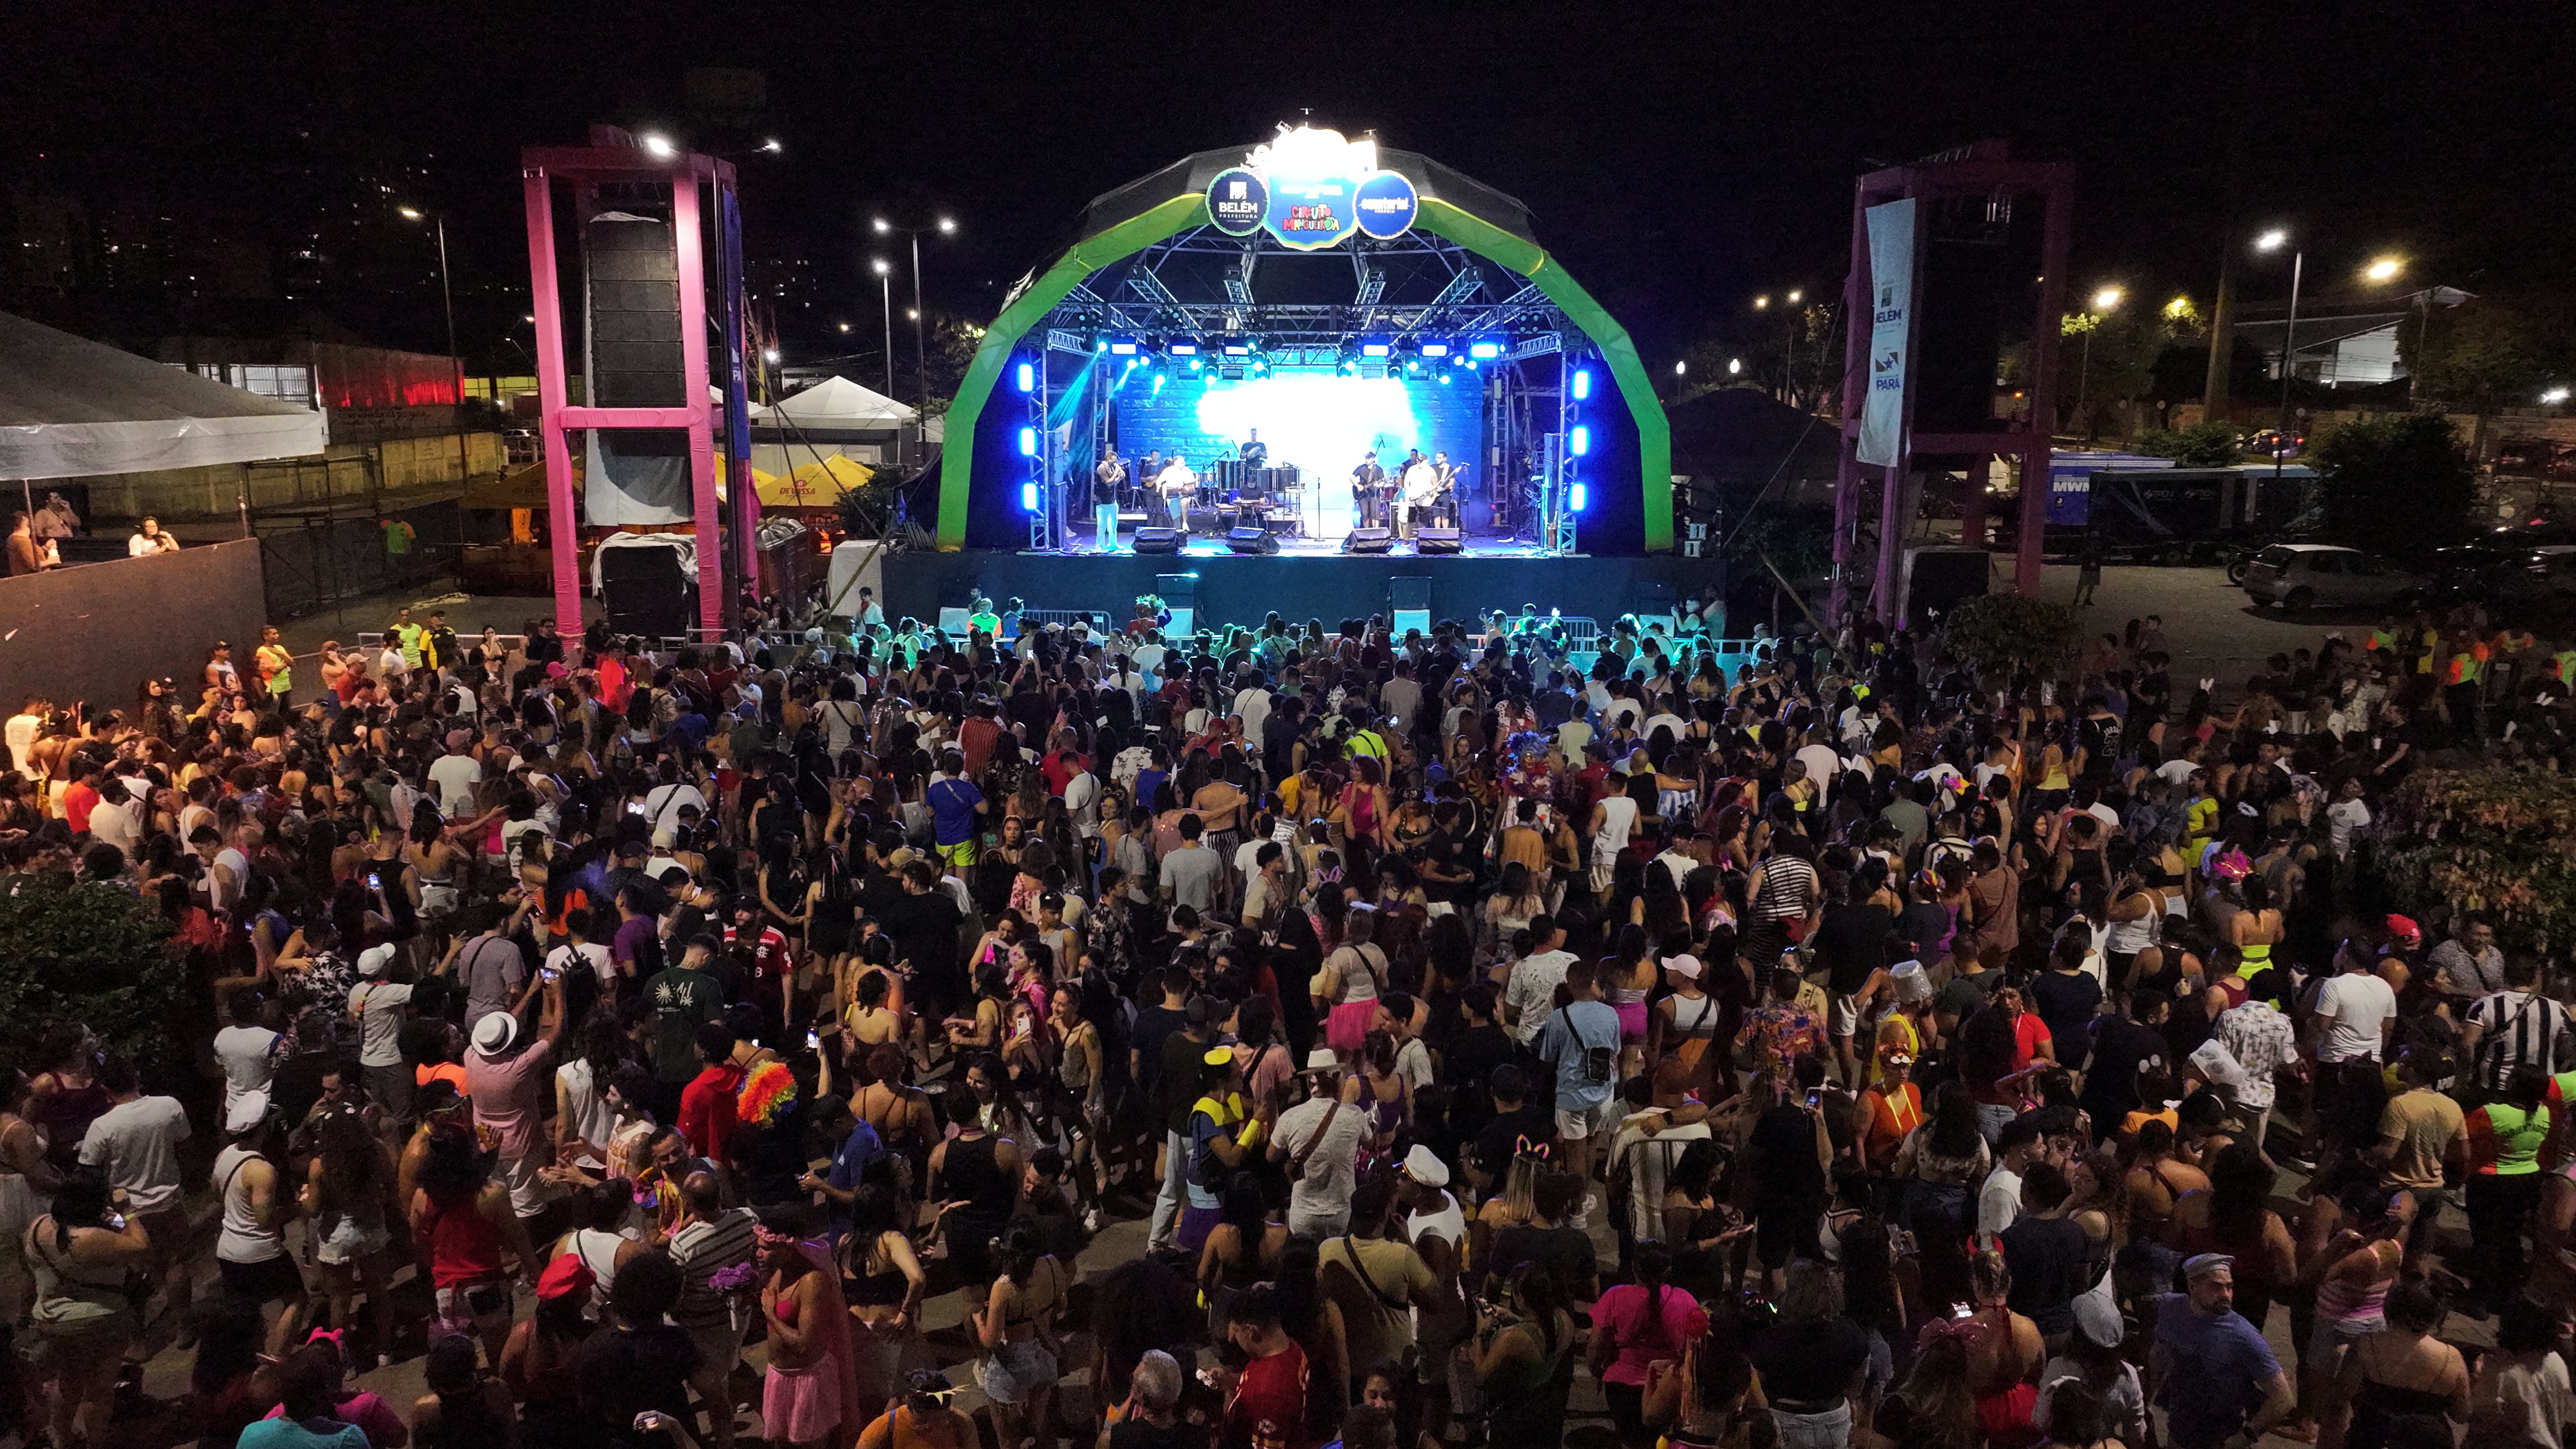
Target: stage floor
[
  {"x": 1213, "y": 546},
  {"x": 1304, "y": 580}
]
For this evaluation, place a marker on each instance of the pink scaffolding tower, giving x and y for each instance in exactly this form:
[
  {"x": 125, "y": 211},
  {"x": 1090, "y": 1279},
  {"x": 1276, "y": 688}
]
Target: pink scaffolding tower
[
  {"x": 614, "y": 156},
  {"x": 1980, "y": 172}
]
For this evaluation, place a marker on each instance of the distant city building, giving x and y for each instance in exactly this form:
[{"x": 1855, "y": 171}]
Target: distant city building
[{"x": 2342, "y": 341}]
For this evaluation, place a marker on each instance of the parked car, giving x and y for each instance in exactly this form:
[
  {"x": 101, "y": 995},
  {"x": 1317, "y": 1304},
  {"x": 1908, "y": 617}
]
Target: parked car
[
  {"x": 2274, "y": 443},
  {"x": 2548, "y": 571},
  {"x": 2309, "y": 575}
]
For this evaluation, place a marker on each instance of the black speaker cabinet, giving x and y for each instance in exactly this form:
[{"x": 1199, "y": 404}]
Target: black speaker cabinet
[
  {"x": 1368, "y": 540},
  {"x": 644, "y": 592},
  {"x": 1159, "y": 540},
  {"x": 1437, "y": 540},
  {"x": 1251, "y": 540}
]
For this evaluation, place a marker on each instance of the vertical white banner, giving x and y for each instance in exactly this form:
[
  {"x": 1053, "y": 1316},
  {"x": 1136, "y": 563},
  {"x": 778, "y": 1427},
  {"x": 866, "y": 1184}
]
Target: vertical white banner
[{"x": 1891, "y": 328}]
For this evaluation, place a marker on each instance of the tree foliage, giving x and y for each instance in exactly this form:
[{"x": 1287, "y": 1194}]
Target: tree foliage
[
  {"x": 2492, "y": 840},
  {"x": 2202, "y": 445},
  {"x": 2399, "y": 484},
  {"x": 93, "y": 954},
  {"x": 2012, "y": 631},
  {"x": 2482, "y": 354}
]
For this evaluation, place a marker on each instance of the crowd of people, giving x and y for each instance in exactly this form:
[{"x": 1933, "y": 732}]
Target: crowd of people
[{"x": 1844, "y": 1045}]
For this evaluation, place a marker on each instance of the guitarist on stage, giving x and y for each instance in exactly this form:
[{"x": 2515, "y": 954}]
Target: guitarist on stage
[
  {"x": 1367, "y": 482},
  {"x": 1444, "y": 503}
]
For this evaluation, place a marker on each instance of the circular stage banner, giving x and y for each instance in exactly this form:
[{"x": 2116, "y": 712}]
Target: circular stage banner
[
  {"x": 1386, "y": 203},
  {"x": 1238, "y": 201}
]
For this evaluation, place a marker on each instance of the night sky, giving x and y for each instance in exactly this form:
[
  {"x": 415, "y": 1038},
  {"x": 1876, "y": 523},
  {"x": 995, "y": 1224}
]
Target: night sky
[{"x": 1677, "y": 158}]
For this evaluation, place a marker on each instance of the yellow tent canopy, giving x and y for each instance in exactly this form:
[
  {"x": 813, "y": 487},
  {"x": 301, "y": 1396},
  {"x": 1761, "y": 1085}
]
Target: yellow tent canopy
[{"x": 815, "y": 485}]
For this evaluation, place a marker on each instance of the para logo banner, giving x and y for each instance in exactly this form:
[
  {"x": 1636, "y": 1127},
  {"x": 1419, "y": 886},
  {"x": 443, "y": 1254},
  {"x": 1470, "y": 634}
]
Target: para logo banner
[{"x": 1310, "y": 189}]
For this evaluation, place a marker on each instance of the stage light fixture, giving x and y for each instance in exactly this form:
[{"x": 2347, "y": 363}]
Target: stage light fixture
[
  {"x": 1582, "y": 383},
  {"x": 1179, "y": 348},
  {"x": 1576, "y": 497},
  {"x": 1028, "y": 377},
  {"x": 1375, "y": 349},
  {"x": 1484, "y": 351},
  {"x": 1444, "y": 378},
  {"x": 1238, "y": 349},
  {"x": 1435, "y": 349},
  {"x": 1100, "y": 344},
  {"x": 658, "y": 146},
  {"x": 1028, "y": 442},
  {"x": 1579, "y": 441},
  {"x": 1028, "y": 498},
  {"x": 1123, "y": 347}
]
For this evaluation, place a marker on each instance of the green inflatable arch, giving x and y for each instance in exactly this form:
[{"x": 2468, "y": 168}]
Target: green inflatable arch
[{"x": 1180, "y": 213}]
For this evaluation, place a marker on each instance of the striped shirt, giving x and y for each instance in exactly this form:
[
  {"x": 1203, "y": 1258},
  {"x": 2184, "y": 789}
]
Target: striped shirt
[
  {"x": 700, "y": 1249},
  {"x": 2515, "y": 1028}
]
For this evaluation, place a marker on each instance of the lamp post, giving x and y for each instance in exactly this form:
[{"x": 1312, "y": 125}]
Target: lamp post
[
  {"x": 2269, "y": 241},
  {"x": 885, "y": 288},
  {"x": 447, "y": 303},
  {"x": 945, "y": 226},
  {"x": 2103, "y": 301}
]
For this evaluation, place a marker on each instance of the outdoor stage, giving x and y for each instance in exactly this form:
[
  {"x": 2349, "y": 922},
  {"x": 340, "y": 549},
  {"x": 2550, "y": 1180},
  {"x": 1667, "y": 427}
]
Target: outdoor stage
[{"x": 1301, "y": 582}]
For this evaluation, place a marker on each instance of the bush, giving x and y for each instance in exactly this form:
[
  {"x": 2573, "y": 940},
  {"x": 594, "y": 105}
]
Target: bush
[
  {"x": 2013, "y": 631},
  {"x": 2202, "y": 445},
  {"x": 2492, "y": 840},
  {"x": 93, "y": 954},
  {"x": 2399, "y": 484}
]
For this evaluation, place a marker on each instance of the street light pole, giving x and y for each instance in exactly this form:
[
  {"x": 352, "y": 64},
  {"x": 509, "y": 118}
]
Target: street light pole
[
  {"x": 920, "y": 369},
  {"x": 2289, "y": 359},
  {"x": 885, "y": 291}
]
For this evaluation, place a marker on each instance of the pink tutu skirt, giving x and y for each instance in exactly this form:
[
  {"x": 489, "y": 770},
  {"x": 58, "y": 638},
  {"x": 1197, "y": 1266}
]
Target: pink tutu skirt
[
  {"x": 1347, "y": 1026},
  {"x": 802, "y": 1406}
]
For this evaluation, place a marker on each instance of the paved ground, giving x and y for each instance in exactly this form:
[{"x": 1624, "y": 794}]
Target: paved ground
[{"x": 2211, "y": 627}]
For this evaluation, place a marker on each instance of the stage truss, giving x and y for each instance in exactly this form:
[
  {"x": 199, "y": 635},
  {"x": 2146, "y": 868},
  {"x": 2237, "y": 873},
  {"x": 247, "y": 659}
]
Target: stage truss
[{"x": 1199, "y": 284}]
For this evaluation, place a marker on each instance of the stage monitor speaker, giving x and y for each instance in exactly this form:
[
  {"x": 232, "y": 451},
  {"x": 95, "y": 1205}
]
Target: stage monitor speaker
[
  {"x": 1368, "y": 540},
  {"x": 1160, "y": 540},
  {"x": 1409, "y": 594},
  {"x": 1251, "y": 540},
  {"x": 1436, "y": 540}
]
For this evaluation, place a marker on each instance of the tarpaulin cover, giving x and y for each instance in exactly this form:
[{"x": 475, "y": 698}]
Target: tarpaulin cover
[{"x": 72, "y": 408}]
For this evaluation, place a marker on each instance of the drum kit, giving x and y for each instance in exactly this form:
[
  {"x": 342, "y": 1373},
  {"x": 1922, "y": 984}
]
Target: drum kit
[{"x": 1234, "y": 494}]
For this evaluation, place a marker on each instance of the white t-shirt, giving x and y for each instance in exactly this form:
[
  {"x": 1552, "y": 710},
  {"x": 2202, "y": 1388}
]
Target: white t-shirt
[
  {"x": 113, "y": 822},
  {"x": 231, "y": 859},
  {"x": 663, "y": 803},
  {"x": 138, "y": 1143},
  {"x": 2353, "y": 1006},
  {"x": 1821, "y": 762},
  {"x": 2343, "y": 817},
  {"x": 1532, "y": 989},
  {"x": 1325, "y": 1189},
  {"x": 1999, "y": 1201},
  {"x": 602, "y": 966},
  {"x": 380, "y": 1019},
  {"x": 22, "y": 740},
  {"x": 454, "y": 778},
  {"x": 586, "y": 1102},
  {"x": 248, "y": 1057}
]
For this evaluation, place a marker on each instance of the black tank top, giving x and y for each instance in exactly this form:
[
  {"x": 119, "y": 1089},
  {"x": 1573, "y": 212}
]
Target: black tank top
[{"x": 975, "y": 1178}]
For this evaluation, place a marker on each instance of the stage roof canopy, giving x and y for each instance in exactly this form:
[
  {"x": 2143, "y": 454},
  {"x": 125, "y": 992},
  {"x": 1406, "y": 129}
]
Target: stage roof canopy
[
  {"x": 72, "y": 408},
  {"x": 1149, "y": 258}
]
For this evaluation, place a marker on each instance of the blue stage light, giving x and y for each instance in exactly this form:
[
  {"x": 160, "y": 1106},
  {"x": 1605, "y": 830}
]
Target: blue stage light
[
  {"x": 1028, "y": 377},
  {"x": 1444, "y": 379},
  {"x": 1028, "y": 498},
  {"x": 1374, "y": 349},
  {"x": 1028, "y": 442},
  {"x": 1122, "y": 348},
  {"x": 1238, "y": 349},
  {"x": 1183, "y": 349},
  {"x": 1582, "y": 383},
  {"x": 1197, "y": 362},
  {"x": 1100, "y": 345},
  {"x": 1435, "y": 349},
  {"x": 1484, "y": 351},
  {"x": 1159, "y": 379},
  {"x": 1579, "y": 441},
  {"x": 1574, "y": 498}
]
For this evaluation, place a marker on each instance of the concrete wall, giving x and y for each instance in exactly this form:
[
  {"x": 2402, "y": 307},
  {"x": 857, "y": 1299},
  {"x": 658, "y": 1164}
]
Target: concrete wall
[{"x": 97, "y": 631}]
